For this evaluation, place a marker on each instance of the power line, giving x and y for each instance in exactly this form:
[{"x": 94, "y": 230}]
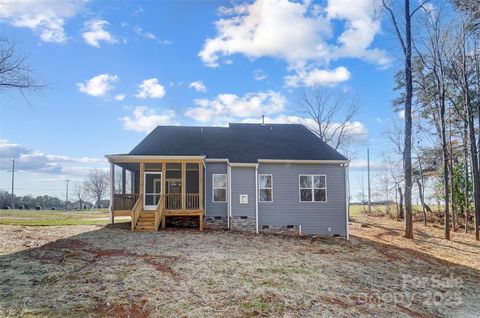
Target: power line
[
  {"x": 66, "y": 197},
  {"x": 368, "y": 167},
  {"x": 13, "y": 182}
]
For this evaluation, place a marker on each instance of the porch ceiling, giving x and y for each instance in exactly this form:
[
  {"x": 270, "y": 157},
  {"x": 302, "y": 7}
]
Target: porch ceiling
[{"x": 130, "y": 166}]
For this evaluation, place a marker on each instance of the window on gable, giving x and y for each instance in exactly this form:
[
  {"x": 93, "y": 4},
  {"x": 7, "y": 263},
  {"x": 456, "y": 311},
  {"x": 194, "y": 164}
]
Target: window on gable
[
  {"x": 219, "y": 187},
  {"x": 265, "y": 188},
  {"x": 313, "y": 188}
]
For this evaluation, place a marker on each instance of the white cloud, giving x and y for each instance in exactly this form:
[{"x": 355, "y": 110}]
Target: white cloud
[
  {"x": 355, "y": 129},
  {"x": 361, "y": 26},
  {"x": 198, "y": 86},
  {"x": 147, "y": 35},
  {"x": 230, "y": 107},
  {"x": 45, "y": 18},
  {"x": 37, "y": 161},
  {"x": 363, "y": 164},
  {"x": 144, "y": 119},
  {"x": 401, "y": 114},
  {"x": 150, "y": 88},
  {"x": 98, "y": 85},
  {"x": 259, "y": 75},
  {"x": 119, "y": 97},
  {"x": 318, "y": 77},
  {"x": 94, "y": 33},
  {"x": 259, "y": 30}
]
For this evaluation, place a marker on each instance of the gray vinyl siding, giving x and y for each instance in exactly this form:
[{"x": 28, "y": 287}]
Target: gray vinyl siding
[
  {"x": 214, "y": 208},
  {"x": 314, "y": 217},
  {"x": 243, "y": 182}
]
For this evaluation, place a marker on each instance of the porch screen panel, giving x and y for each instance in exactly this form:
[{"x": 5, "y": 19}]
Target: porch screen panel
[{"x": 192, "y": 186}]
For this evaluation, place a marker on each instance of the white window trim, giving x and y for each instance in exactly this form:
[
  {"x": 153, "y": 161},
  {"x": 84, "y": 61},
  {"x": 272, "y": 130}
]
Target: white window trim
[
  {"x": 271, "y": 187},
  {"x": 213, "y": 187},
  {"x": 312, "y": 188}
]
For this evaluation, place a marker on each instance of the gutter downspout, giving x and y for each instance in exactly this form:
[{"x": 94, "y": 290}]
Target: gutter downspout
[
  {"x": 229, "y": 189},
  {"x": 205, "y": 188},
  {"x": 347, "y": 199},
  {"x": 112, "y": 190},
  {"x": 256, "y": 199}
]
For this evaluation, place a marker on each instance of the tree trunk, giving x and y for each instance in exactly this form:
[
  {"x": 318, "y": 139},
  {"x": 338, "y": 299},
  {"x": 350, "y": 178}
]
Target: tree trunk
[
  {"x": 475, "y": 179},
  {"x": 397, "y": 205},
  {"x": 452, "y": 187},
  {"x": 400, "y": 203},
  {"x": 407, "y": 154},
  {"x": 425, "y": 206},
  {"x": 445, "y": 168},
  {"x": 465, "y": 171},
  {"x": 473, "y": 146}
]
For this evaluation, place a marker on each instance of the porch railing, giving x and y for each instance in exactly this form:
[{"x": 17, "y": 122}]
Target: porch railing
[
  {"x": 136, "y": 212},
  {"x": 159, "y": 213},
  {"x": 173, "y": 201},
  {"x": 191, "y": 201},
  {"x": 124, "y": 201}
]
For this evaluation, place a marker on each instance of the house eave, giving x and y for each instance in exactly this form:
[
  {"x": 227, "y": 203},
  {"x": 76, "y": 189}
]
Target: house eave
[
  {"x": 138, "y": 158},
  {"x": 289, "y": 161}
]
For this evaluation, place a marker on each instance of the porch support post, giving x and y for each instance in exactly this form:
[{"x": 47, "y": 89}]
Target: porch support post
[
  {"x": 132, "y": 182},
  {"x": 124, "y": 177},
  {"x": 112, "y": 191},
  {"x": 142, "y": 177},
  {"x": 200, "y": 195},
  {"x": 200, "y": 186},
  {"x": 184, "y": 165},
  {"x": 164, "y": 178}
]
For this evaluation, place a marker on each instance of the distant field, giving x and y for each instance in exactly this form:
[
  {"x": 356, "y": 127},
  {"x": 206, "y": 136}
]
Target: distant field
[
  {"x": 54, "y": 217},
  {"x": 92, "y": 217}
]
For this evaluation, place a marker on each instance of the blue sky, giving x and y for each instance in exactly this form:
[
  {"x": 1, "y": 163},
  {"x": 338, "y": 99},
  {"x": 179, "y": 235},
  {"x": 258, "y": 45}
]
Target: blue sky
[{"x": 114, "y": 70}]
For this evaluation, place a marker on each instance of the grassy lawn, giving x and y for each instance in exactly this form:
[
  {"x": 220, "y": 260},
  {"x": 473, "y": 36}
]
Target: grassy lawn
[
  {"x": 109, "y": 271},
  {"x": 54, "y": 217}
]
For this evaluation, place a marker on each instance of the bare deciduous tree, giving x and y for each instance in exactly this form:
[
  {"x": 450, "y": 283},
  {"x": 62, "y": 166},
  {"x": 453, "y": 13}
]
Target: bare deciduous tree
[
  {"x": 434, "y": 59},
  {"x": 405, "y": 40},
  {"x": 15, "y": 73},
  {"x": 96, "y": 184},
  {"x": 80, "y": 193},
  {"x": 332, "y": 112}
]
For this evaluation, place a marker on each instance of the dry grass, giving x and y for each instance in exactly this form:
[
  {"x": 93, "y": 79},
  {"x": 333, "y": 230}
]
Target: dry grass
[{"x": 95, "y": 271}]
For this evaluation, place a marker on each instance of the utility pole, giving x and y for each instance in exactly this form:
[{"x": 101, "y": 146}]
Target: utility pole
[
  {"x": 13, "y": 183},
  {"x": 368, "y": 169},
  {"x": 66, "y": 197}
]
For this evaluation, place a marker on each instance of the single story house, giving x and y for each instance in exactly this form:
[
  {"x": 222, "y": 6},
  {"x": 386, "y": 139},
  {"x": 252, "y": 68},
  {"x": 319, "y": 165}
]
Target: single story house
[
  {"x": 82, "y": 205},
  {"x": 245, "y": 176}
]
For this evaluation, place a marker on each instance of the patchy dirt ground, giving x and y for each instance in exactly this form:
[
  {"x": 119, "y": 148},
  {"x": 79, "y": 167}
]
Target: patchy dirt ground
[{"x": 95, "y": 271}]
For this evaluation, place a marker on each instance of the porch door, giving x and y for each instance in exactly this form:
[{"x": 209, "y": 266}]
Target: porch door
[{"x": 153, "y": 190}]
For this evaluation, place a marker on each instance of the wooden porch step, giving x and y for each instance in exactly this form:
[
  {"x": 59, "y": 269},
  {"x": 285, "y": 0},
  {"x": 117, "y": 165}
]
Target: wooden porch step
[
  {"x": 147, "y": 219},
  {"x": 144, "y": 228},
  {"x": 146, "y": 222}
]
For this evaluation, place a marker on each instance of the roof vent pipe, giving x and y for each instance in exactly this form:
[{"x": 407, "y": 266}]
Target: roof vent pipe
[{"x": 263, "y": 120}]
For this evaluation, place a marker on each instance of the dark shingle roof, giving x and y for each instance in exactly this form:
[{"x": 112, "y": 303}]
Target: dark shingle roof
[{"x": 238, "y": 143}]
